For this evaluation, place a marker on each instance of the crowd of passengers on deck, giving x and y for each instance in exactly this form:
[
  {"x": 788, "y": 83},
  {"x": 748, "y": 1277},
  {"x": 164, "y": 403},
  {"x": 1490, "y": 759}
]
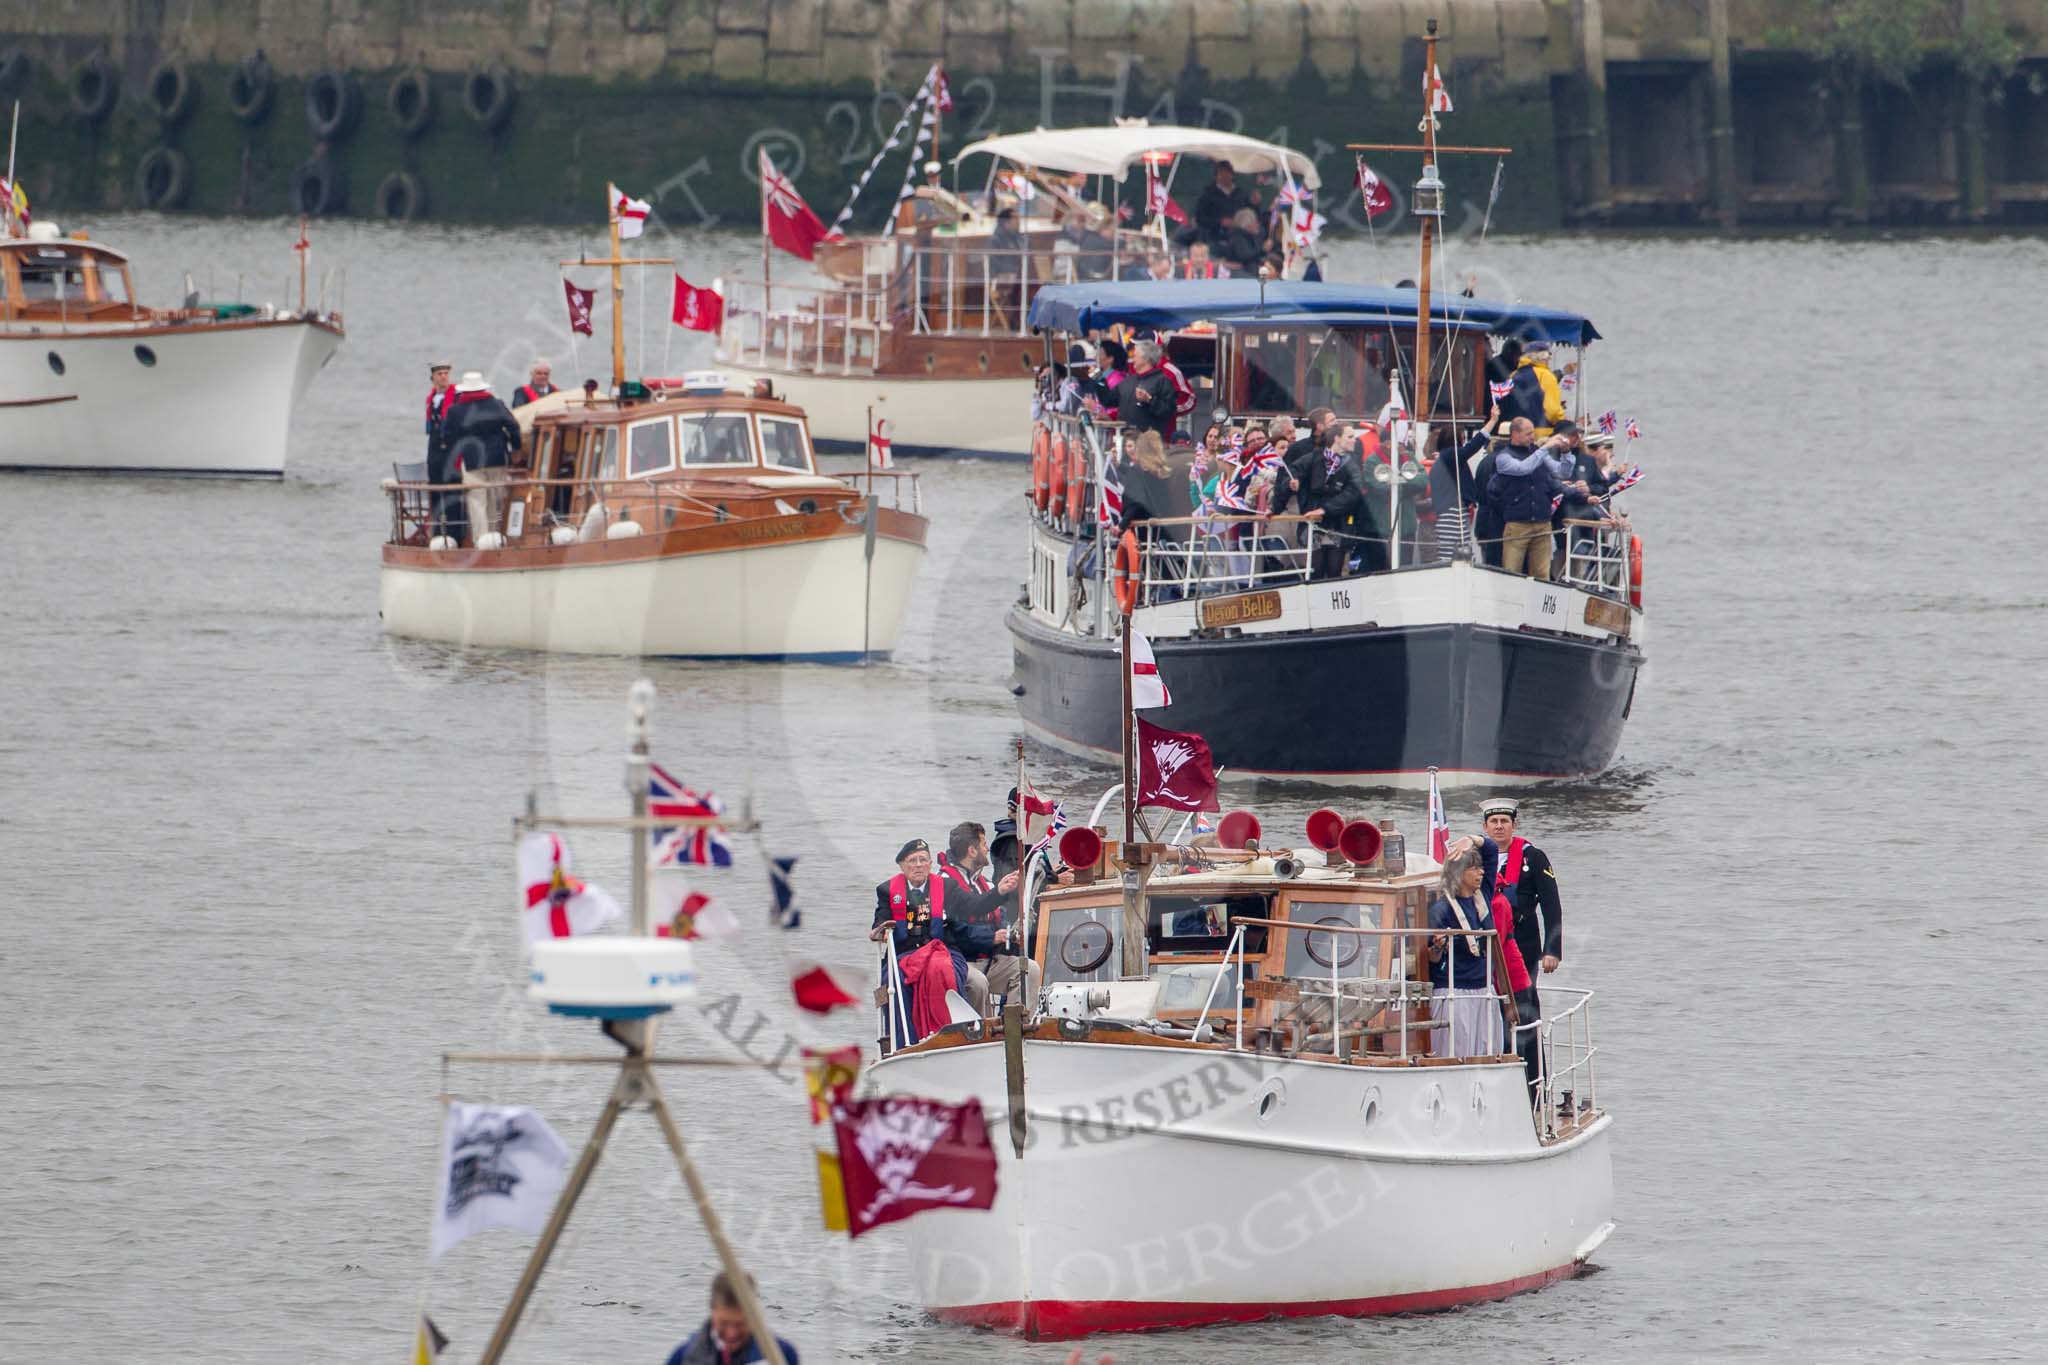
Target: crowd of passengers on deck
[{"x": 1318, "y": 494}]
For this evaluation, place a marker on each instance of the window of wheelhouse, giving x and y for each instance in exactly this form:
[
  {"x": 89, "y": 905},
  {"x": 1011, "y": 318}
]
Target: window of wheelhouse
[
  {"x": 604, "y": 454},
  {"x": 717, "y": 439},
  {"x": 51, "y": 276},
  {"x": 1269, "y": 371},
  {"x": 1457, "y": 367},
  {"x": 650, "y": 448},
  {"x": 1318, "y": 954},
  {"x": 787, "y": 445},
  {"x": 1081, "y": 943}
]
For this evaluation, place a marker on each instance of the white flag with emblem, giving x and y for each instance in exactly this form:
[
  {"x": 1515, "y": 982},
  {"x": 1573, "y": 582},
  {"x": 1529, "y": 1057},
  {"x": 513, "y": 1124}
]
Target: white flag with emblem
[
  {"x": 1148, "y": 688},
  {"x": 501, "y": 1167}
]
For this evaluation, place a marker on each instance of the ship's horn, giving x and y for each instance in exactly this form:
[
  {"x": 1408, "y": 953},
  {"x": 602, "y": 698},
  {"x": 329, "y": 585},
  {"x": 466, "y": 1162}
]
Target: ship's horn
[
  {"x": 1080, "y": 846},
  {"x": 1238, "y": 829},
  {"x": 1360, "y": 842},
  {"x": 1323, "y": 828}
]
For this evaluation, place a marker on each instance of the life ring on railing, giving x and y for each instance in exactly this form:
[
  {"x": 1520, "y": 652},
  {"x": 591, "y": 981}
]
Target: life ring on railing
[
  {"x": 1041, "y": 455},
  {"x": 1077, "y": 482},
  {"x": 1635, "y": 572},
  {"x": 1057, "y": 477},
  {"x": 1125, "y": 571}
]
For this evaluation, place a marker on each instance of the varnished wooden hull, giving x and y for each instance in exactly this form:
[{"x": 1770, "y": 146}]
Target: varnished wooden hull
[{"x": 796, "y": 587}]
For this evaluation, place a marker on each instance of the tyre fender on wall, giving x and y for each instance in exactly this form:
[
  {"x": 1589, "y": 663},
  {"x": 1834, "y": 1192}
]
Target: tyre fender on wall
[
  {"x": 319, "y": 189},
  {"x": 95, "y": 88},
  {"x": 163, "y": 179},
  {"x": 171, "y": 92}
]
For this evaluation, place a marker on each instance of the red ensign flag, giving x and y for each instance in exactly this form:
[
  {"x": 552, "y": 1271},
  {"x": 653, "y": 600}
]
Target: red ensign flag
[{"x": 700, "y": 310}]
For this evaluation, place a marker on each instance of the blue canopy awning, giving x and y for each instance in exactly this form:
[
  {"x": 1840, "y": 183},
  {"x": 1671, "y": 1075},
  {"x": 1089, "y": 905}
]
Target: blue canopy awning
[{"x": 1169, "y": 304}]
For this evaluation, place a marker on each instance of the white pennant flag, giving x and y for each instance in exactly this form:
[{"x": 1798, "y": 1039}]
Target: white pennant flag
[
  {"x": 501, "y": 1167},
  {"x": 555, "y": 904},
  {"x": 1148, "y": 688}
]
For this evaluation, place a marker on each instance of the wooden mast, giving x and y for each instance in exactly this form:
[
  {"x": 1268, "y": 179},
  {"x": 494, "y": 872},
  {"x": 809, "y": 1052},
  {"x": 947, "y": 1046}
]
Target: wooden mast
[
  {"x": 618, "y": 264},
  {"x": 1418, "y": 402}
]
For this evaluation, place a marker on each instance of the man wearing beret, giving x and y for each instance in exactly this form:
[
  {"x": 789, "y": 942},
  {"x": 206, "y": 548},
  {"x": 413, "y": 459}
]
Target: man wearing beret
[
  {"x": 911, "y": 908},
  {"x": 1523, "y": 874}
]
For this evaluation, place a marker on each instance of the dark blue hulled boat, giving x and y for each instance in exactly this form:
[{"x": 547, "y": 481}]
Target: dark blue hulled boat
[{"x": 1367, "y": 678}]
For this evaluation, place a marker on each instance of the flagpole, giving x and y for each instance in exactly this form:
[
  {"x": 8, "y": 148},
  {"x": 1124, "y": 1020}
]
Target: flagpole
[
  {"x": 1134, "y": 913},
  {"x": 767, "y": 261},
  {"x": 14, "y": 133},
  {"x": 618, "y": 301}
]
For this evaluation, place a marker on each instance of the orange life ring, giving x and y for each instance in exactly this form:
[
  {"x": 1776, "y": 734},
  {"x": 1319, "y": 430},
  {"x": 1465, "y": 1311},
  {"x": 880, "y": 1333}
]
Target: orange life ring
[
  {"x": 1635, "y": 572},
  {"x": 1077, "y": 482},
  {"x": 1125, "y": 572},
  {"x": 1041, "y": 456},
  {"x": 1058, "y": 475}
]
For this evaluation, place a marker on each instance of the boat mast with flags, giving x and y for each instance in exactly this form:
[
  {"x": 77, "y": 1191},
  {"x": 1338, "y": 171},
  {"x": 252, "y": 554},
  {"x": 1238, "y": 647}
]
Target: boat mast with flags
[{"x": 1494, "y": 677}]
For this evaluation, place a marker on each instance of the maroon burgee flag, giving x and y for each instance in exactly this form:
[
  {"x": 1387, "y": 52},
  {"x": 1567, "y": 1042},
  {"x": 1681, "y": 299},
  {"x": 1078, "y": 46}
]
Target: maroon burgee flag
[
  {"x": 901, "y": 1155},
  {"x": 700, "y": 310},
  {"x": 579, "y": 307},
  {"x": 1373, "y": 191},
  {"x": 785, "y": 217},
  {"x": 1175, "y": 769}
]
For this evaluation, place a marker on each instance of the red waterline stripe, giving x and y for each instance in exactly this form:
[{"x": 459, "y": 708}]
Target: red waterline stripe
[{"x": 1061, "y": 1320}]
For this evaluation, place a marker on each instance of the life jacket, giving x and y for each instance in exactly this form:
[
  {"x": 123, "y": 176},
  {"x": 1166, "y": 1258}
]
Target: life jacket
[
  {"x": 899, "y": 897},
  {"x": 1510, "y": 875},
  {"x": 527, "y": 393},
  {"x": 969, "y": 883},
  {"x": 1204, "y": 270},
  {"x": 436, "y": 412}
]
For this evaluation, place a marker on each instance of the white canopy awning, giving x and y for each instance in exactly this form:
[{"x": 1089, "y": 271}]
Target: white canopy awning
[{"x": 1113, "y": 150}]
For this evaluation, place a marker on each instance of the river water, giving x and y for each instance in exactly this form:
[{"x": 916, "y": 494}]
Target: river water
[{"x": 262, "y": 874}]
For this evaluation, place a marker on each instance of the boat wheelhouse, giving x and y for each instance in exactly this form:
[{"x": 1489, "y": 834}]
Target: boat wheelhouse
[
  {"x": 929, "y": 328},
  {"x": 1488, "y": 676},
  {"x": 91, "y": 379},
  {"x": 1232, "y": 1102},
  {"x": 691, "y": 522}
]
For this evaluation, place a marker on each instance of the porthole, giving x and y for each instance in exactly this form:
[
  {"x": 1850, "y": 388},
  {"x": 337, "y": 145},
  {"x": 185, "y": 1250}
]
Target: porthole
[
  {"x": 1267, "y": 1104},
  {"x": 1272, "y": 1099},
  {"x": 982, "y": 360},
  {"x": 1086, "y": 946},
  {"x": 1319, "y": 945},
  {"x": 1024, "y": 362},
  {"x": 807, "y": 506},
  {"x": 146, "y": 356},
  {"x": 721, "y": 513},
  {"x": 931, "y": 361},
  {"x": 56, "y": 363},
  {"x": 1370, "y": 1109}
]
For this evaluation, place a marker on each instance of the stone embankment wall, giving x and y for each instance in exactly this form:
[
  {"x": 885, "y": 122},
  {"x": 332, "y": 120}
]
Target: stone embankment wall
[{"x": 1619, "y": 110}]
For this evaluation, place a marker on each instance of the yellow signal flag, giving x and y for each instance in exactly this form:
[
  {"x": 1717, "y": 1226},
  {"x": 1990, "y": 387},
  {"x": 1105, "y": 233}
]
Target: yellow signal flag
[
  {"x": 829, "y": 1075},
  {"x": 427, "y": 1349},
  {"x": 832, "y": 1192}
]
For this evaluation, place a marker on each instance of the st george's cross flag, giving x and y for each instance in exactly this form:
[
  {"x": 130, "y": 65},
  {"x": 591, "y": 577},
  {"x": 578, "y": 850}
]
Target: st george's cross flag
[
  {"x": 699, "y": 309},
  {"x": 580, "y": 301},
  {"x": 1148, "y": 688},
  {"x": 501, "y": 1167},
  {"x": 1433, "y": 86},
  {"x": 878, "y": 446},
  {"x": 785, "y": 218},
  {"x": 631, "y": 213},
  {"x": 1175, "y": 770},
  {"x": 554, "y": 902},
  {"x": 1158, "y": 202},
  {"x": 704, "y": 845},
  {"x": 1439, "y": 822}
]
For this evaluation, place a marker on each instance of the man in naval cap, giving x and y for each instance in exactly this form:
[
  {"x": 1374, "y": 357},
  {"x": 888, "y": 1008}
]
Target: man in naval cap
[
  {"x": 1522, "y": 872},
  {"x": 910, "y": 908}
]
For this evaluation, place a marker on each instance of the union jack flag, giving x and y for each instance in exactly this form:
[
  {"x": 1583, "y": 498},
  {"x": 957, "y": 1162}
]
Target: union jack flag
[
  {"x": 1439, "y": 823},
  {"x": 1502, "y": 389},
  {"x": 704, "y": 845},
  {"x": 1109, "y": 498},
  {"x": 1568, "y": 381},
  {"x": 1053, "y": 830},
  {"x": 1609, "y": 421},
  {"x": 1633, "y": 432},
  {"x": 1627, "y": 481}
]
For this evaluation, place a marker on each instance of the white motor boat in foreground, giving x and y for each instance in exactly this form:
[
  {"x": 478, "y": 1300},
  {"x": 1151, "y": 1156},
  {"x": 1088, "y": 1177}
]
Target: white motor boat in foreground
[
  {"x": 1184, "y": 1137},
  {"x": 92, "y": 380}
]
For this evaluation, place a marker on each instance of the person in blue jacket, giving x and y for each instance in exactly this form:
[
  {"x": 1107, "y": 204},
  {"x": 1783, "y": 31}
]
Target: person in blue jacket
[{"x": 725, "y": 1338}]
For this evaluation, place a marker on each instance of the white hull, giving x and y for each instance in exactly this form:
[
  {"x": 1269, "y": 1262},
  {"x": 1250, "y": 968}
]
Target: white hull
[
  {"x": 218, "y": 398},
  {"x": 926, "y": 416},
  {"x": 1153, "y": 1193},
  {"x": 802, "y": 600}
]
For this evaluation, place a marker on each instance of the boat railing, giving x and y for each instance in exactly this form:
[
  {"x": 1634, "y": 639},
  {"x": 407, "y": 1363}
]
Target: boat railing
[
  {"x": 818, "y": 329},
  {"x": 982, "y": 291},
  {"x": 1348, "y": 1005},
  {"x": 567, "y": 511},
  {"x": 1596, "y": 557},
  {"x": 1565, "y": 1053},
  {"x": 1221, "y": 554}
]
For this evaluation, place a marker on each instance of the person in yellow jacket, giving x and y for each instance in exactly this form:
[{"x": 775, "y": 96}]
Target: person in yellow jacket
[{"x": 1535, "y": 394}]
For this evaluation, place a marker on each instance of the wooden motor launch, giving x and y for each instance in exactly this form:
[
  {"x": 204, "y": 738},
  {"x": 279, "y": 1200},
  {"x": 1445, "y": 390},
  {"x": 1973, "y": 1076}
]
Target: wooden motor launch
[
  {"x": 931, "y": 323},
  {"x": 1234, "y": 1103},
  {"x": 681, "y": 518},
  {"x": 92, "y": 379},
  {"x": 1367, "y": 676}
]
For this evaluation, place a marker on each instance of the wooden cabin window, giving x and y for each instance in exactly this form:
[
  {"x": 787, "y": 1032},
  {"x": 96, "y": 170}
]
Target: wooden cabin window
[
  {"x": 1271, "y": 363},
  {"x": 1311, "y": 954},
  {"x": 52, "y": 277},
  {"x": 1457, "y": 367},
  {"x": 787, "y": 444},
  {"x": 650, "y": 448},
  {"x": 1081, "y": 943},
  {"x": 605, "y": 455},
  {"x": 717, "y": 439}
]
